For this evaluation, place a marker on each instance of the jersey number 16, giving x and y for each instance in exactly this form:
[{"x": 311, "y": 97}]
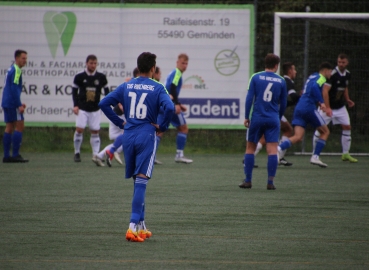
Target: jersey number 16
[{"x": 140, "y": 110}]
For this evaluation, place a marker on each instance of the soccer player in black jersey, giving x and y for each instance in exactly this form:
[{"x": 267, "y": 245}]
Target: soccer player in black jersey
[
  {"x": 87, "y": 87},
  {"x": 289, "y": 74},
  {"x": 336, "y": 96}
]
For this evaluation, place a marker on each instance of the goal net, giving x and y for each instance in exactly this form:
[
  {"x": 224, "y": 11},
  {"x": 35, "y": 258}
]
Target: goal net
[{"x": 308, "y": 39}]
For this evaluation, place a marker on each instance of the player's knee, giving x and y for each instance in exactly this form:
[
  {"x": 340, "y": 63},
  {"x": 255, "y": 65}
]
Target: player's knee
[{"x": 183, "y": 129}]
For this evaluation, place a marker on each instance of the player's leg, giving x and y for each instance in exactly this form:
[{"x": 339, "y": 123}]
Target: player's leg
[
  {"x": 110, "y": 153},
  {"x": 318, "y": 122},
  {"x": 81, "y": 123},
  {"x": 320, "y": 144},
  {"x": 253, "y": 135},
  {"x": 299, "y": 132},
  {"x": 180, "y": 123},
  {"x": 342, "y": 117},
  {"x": 144, "y": 155},
  {"x": 9, "y": 119},
  {"x": 287, "y": 131},
  {"x": 17, "y": 140},
  {"x": 327, "y": 120},
  {"x": 271, "y": 134},
  {"x": 94, "y": 125},
  {"x": 13, "y": 135},
  {"x": 272, "y": 150}
]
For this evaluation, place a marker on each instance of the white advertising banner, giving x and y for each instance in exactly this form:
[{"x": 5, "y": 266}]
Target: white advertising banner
[{"x": 218, "y": 40}]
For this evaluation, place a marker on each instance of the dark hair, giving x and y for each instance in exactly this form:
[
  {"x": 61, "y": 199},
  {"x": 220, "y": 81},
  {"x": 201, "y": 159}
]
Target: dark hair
[
  {"x": 157, "y": 70},
  {"x": 17, "y": 53},
  {"x": 271, "y": 60},
  {"x": 91, "y": 57},
  {"x": 146, "y": 61},
  {"x": 135, "y": 72},
  {"x": 286, "y": 67},
  {"x": 325, "y": 65},
  {"x": 343, "y": 56}
]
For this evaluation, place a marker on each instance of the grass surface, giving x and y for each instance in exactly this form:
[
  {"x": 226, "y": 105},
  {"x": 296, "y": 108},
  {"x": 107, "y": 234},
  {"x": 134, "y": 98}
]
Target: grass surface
[{"x": 57, "y": 214}]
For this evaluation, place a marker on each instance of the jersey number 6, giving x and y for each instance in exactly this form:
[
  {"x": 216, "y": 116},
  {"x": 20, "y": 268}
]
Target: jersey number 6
[{"x": 267, "y": 93}]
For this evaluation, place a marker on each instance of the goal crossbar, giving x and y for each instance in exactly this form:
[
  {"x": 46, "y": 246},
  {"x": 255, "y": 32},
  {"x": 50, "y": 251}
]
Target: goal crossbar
[{"x": 307, "y": 15}]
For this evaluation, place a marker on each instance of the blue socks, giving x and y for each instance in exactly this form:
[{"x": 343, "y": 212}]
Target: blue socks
[
  {"x": 7, "y": 142},
  {"x": 17, "y": 141},
  {"x": 138, "y": 200},
  {"x": 285, "y": 145},
  {"x": 319, "y": 147},
  {"x": 272, "y": 168},
  {"x": 249, "y": 161},
  {"x": 181, "y": 140}
]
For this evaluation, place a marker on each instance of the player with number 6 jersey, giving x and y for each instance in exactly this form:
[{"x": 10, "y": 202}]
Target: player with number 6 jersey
[{"x": 267, "y": 99}]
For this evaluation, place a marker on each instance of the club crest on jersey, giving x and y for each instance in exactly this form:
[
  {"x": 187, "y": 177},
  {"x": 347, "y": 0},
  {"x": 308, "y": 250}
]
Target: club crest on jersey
[{"x": 96, "y": 82}]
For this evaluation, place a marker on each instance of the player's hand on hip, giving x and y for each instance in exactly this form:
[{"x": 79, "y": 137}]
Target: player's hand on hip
[
  {"x": 183, "y": 108},
  {"x": 246, "y": 123},
  {"x": 75, "y": 110},
  {"x": 21, "y": 109},
  {"x": 157, "y": 128},
  {"x": 178, "y": 109}
]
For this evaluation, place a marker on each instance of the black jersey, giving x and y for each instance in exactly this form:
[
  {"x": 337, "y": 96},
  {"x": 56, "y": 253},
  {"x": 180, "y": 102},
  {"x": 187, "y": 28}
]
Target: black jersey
[
  {"x": 87, "y": 90},
  {"x": 338, "y": 82},
  {"x": 292, "y": 96}
]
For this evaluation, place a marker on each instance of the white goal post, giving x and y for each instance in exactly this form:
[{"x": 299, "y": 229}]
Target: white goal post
[{"x": 310, "y": 15}]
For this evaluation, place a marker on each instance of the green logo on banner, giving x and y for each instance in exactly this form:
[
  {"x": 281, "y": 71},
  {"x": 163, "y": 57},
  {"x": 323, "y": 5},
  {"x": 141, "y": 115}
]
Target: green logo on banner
[{"x": 59, "y": 27}]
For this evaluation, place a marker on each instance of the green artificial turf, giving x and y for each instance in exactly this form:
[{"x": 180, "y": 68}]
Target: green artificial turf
[{"x": 57, "y": 214}]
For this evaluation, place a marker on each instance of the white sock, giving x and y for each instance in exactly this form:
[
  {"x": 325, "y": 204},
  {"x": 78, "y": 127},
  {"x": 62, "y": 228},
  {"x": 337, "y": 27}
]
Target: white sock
[
  {"x": 78, "y": 138},
  {"x": 133, "y": 227},
  {"x": 141, "y": 225},
  {"x": 346, "y": 141},
  {"x": 179, "y": 153},
  {"x": 101, "y": 154},
  {"x": 95, "y": 143},
  {"x": 315, "y": 139},
  {"x": 258, "y": 148}
]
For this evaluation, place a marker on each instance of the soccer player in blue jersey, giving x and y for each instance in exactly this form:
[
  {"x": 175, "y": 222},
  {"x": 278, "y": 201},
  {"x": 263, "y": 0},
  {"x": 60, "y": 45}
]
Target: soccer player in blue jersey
[
  {"x": 13, "y": 109},
  {"x": 174, "y": 84},
  {"x": 306, "y": 113},
  {"x": 267, "y": 98},
  {"x": 142, "y": 98}
]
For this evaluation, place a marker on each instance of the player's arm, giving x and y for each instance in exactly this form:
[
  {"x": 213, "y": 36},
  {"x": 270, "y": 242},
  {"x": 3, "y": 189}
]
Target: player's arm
[
  {"x": 174, "y": 95},
  {"x": 110, "y": 101},
  {"x": 248, "y": 103},
  {"x": 325, "y": 92},
  {"x": 168, "y": 107},
  {"x": 350, "y": 103},
  {"x": 283, "y": 101},
  {"x": 293, "y": 97},
  {"x": 106, "y": 88},
  {"x": 75, "y": 88}
]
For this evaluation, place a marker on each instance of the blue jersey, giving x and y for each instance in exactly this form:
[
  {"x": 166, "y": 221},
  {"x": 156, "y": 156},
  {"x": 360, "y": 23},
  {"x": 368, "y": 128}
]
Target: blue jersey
[
  {"x": 175, "y": 78},
  {"x": 266, "y": 96},
  {"x": 141, "y": 98},
  {"x": 12, "y": 88},
  {"x": 312, "y": 93}
]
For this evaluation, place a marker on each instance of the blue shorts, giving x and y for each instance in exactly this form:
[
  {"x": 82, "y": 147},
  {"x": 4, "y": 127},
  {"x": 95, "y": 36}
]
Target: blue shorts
[
  {"x": 176, "y": 121},
  {"x": 303, "y": 117},
  {"x": 12, "y": 115},
  {"x": 267, "y": 126},
  {"x": 139, "y": 152}
]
